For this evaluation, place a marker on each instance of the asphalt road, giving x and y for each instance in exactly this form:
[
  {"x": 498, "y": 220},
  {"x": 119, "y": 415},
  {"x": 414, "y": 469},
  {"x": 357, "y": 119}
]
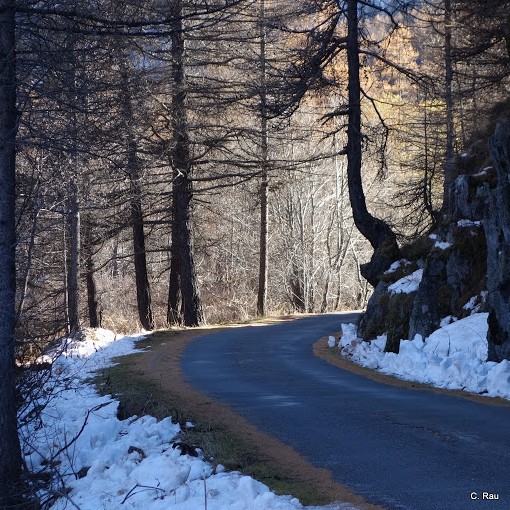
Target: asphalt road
[{"x": 398, "y": 447}]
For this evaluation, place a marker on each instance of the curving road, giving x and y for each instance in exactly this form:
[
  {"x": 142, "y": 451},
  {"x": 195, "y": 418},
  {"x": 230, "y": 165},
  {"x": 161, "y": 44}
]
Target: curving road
[{"x": 397, "y": 447}]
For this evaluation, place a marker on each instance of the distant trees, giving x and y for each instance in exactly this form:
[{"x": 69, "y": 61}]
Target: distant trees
[
  {"x": 209, "y": 99},
  {"x": 326, "y": 46}
]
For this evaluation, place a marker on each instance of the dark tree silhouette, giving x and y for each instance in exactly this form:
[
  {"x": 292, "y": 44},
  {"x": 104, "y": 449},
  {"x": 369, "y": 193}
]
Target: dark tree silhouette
[{"x": 10, "y": 456}]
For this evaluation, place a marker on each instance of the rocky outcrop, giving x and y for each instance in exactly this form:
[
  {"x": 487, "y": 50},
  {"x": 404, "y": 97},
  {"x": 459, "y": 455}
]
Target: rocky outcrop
[
  {"x": 371, "y": 323},
  {"x": 427, "y": 307},
  {"x": 454, "y": 262},
  {"x": 497, "y": 230},
  {"x": 467, "y": 256}
]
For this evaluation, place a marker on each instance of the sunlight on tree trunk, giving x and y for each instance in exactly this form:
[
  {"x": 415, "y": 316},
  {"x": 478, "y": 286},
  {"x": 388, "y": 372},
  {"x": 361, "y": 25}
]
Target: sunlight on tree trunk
[{"x": 378, "y": 233}]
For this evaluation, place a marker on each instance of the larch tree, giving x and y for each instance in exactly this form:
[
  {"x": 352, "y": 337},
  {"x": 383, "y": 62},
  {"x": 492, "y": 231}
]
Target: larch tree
[
  {"x": 378, "y": 232},
  {"x": 264, "y": 170},
  {"x": 326, "y": 45},
  {"x": 183, "y": 268},
  {"x": 134, "y": 173}
]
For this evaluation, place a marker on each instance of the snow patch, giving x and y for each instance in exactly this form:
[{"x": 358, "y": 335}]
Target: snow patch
[
  {"x": 468, "y": 223},
  {"x": 475, "y": 303},
  {"x": 442, "y": 245},
  {"x": 396, "y": 265},
  {"x": 407, "y": 284}
]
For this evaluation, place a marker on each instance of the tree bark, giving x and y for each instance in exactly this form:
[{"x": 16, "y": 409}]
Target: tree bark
[
  {"x": 73, "y": 268},
  {"x": 10, "y": 455},
  {"x": 449, "y": 163},
  {"x": 182, "y": 189},
  {"x": 73, "y": 198},
  {"x": 173, "y": 315},
  {"x": 143, "y": 294},
  {"x": 375, "y": 230},
  {"x": 92, "y": 305},
  {"x": 262, "y": 284}
]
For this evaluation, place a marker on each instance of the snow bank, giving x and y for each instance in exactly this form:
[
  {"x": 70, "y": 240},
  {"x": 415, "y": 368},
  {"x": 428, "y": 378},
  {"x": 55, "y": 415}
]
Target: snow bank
[
  {"x": 103, "y": 462},
  {"x": 452, "y": 357}
]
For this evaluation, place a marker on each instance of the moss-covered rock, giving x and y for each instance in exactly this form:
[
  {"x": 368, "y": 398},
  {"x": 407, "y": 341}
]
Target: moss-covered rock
[
  {"x": 466, "y": 266},
  {"x": 388, "y": 312},
  {"x": 397, "y": 319}
]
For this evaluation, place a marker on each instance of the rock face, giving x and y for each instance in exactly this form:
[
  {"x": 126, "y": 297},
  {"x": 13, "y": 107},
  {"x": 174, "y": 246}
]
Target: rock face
[
  {"x": 387, "y": 312},
  {"x": 468, "y": 255},
  {"x": 497, "y": 229},
  {"x": 427, "y": 308}
]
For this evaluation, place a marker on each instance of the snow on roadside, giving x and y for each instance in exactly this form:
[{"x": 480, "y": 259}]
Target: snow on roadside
[
  {"x": 452, "y": 357},
  {"x": 127, "y": 464}
]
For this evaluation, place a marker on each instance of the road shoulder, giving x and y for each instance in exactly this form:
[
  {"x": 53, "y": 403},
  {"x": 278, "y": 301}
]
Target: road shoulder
[
  {"x": 322, "y": 350},
  {"x": 161, "y": 365}
]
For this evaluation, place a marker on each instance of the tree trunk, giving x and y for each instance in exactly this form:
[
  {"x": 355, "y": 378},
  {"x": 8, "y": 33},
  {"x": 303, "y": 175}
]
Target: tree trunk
[
  {"x": 94, "y": 318},
  {"x": 73, "y": 249},
  {"x": 262, "y": 284},
  {"x": 192, "y": 313},
  {"x": 182, "y": 188},
  {"x": 449, "y": 163},
  {"x": 10, "y": 456},
  {"x": 73, "y": 199},
  {"x": 375, "y": 230},
  {"x": 143, "y": 294},
  {"x": 173, "y": 315},
  {"x": 262, "y": 287}
]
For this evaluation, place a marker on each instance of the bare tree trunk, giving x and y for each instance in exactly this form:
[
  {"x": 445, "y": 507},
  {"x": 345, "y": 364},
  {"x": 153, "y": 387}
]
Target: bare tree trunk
[
  {"x": 375, "y": 230},
  {"x": 182, "y": 188},
  {"x": 73, "y": 267},
  {"x": 262, "y": 284},
  {"x": 30, "y": 253},
  {"x": 449, "y": 164},
  {"x": 92, "y": 305},
  {"x": 73, "y": 199},
  {"x": 143, "y": 294},
  {"x": 174, "y": 290},
  {"x": 115, "y": 259},
  {"x": 10, "y": 455}
]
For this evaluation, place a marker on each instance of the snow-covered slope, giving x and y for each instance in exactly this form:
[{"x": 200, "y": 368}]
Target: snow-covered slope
[{"x": 131, "y": 464}]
